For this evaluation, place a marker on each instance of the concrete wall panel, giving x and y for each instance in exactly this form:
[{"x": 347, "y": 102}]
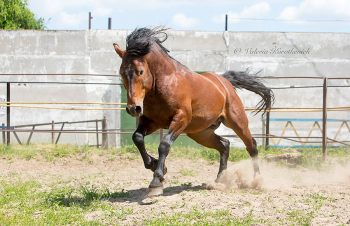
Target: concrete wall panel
[{"x": 91, "y": 52}]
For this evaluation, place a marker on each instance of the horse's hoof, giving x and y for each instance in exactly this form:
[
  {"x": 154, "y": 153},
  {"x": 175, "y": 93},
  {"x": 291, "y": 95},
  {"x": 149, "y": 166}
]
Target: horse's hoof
[{"x": 155, "y": 191}]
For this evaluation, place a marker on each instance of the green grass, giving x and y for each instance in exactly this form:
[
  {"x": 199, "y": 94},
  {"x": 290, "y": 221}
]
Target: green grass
[
  {"x": 25, "y": 203},
  {"x": 187, "y": 172},
  {"x": 310, "y": 157},
  {"x": 300, "y": 217},
  {"x": 84, "y": 196},
  {"x": 198, "y": 217},
  {"x": 50, "y": 152}
]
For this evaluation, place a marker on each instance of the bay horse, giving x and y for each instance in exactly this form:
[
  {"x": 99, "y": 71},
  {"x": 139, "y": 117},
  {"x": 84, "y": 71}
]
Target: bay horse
[{"x": 163, "y": 93}]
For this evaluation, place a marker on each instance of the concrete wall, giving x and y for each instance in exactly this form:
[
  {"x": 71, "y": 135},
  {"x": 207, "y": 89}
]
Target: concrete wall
[
  {"x": 91, "y": 52},
  {"x": 66, "y": 52}
]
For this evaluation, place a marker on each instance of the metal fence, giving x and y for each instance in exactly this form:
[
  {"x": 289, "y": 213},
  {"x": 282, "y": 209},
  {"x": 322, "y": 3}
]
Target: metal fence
[{"x": 6, "y": 130}]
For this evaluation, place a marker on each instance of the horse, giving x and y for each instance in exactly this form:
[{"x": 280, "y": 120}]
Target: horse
[{"x": 165, "y": 94}]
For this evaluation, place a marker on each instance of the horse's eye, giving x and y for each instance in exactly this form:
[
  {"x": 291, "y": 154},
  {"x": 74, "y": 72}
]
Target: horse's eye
[{"x": 141, "y": 72}]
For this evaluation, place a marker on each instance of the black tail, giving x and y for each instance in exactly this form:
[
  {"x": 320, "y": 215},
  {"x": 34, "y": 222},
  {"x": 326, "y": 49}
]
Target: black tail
[{"x": 244, "y": 80}]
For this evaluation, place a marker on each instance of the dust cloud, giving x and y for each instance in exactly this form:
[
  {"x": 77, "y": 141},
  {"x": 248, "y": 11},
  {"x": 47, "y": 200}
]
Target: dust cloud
[{"x": 241, "y": 176}]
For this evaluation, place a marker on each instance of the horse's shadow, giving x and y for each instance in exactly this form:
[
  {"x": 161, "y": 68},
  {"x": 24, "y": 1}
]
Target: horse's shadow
[
  {"x": 140, "y": 195},
  {"x": 137, "y": 195}
]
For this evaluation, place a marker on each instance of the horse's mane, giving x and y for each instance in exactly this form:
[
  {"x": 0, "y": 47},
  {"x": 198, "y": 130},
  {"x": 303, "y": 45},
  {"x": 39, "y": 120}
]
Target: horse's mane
[{"x": 140, "y": 41}]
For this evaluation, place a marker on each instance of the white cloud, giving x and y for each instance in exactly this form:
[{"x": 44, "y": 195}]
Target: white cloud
[
  {"x": 102, "y": 12},
  {"x": 258, "y": 10},
  {"x": 317, "y": 10},
  {"x": 72, "y": 20},
  {"x": 182, "y": 21},
  {"x": 50, "y": 8}
]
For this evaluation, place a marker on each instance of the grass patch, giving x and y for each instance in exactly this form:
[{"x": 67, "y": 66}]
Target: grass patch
[
  {"x": 201, "y": 217},
  {"x": 187, "y": 184},
  {"x": 309, "y": 157},
  {"x": 25, "y": 203},
  {"x": 187, "y": 172},
  {"x": 300, "y": 217},
  {"x": 49, "y": 152},
  {"x": 84, "y": 196}
]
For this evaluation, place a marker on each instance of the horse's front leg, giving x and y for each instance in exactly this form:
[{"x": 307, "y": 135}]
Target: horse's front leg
[
  {"x": 145, "y": 128},
  {"x": 179, "y": 123}
]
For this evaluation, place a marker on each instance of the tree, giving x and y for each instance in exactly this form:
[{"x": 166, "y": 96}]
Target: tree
[{"x": 14, "y": 14}]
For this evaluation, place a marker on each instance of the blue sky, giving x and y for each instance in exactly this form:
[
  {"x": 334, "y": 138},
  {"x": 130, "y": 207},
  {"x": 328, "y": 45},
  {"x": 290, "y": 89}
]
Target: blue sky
[{"x": 198, "y": 15}]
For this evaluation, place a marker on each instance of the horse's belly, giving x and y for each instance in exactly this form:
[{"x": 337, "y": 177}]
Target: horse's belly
[
  {"x": 199, "y": 121},
  {"x": 197, "y": 125}
]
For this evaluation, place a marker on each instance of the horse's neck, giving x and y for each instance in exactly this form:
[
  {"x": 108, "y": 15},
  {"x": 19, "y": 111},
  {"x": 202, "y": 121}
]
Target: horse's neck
[{"x": 160, "y": 64}]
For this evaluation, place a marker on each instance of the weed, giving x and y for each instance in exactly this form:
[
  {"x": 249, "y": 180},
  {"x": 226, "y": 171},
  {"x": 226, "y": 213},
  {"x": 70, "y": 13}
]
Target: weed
[
  {"x": 174, "y": 182},
  {"x": 197, "y": 216},
  {"x": 84, "y": 196},
  {"x": 300, "y": 217},
  {"x": 187, "y": 184},
  {"x": 187, "y": 172}
]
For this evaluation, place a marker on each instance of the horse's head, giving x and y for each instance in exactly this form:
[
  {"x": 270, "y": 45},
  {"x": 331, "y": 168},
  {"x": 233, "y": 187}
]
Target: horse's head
[{"x": 137, "y": 80}]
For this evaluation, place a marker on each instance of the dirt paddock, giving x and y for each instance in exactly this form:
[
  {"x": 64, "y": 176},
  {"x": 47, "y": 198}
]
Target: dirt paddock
[{"x": 277, "y": 196}]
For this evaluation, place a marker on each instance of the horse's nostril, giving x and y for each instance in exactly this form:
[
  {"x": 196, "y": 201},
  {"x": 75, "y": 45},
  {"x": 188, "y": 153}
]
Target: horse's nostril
[
  {"x": 128, "y": 110},
  {"x": 138, "y": 109}
]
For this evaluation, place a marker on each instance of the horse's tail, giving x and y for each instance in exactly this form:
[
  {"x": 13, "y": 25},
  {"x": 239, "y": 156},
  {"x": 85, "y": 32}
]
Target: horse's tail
[{"x": 245, "y": 80}]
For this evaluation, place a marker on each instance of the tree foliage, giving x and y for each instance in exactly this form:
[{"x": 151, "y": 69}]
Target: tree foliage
[{"x": 14, "y": 14}]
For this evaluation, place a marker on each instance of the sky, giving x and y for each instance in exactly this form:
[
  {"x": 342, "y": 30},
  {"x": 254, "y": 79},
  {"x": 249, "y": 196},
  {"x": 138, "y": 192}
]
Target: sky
[{"x": 197, "y": 15}]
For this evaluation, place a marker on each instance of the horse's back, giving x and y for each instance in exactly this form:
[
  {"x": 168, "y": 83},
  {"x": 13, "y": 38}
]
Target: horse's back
[
  {"x": 233, "y": 104},
  {"x": 224, "y": 86},
  {"x": 208, "y": 98}
]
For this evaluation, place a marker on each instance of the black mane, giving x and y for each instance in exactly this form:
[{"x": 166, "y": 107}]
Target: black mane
[{"x": 140, "y": 41}]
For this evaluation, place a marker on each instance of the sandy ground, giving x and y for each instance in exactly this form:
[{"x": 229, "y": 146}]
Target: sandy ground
[{"x": 273, "y": 195}]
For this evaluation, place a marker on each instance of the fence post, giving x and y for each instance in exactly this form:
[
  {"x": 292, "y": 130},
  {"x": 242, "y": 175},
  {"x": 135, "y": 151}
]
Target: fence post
[
  {"x": 90, "y": 17},
  {"x": 8, "y": 112},
  {"x": 226, "y": 22},
  {"x": 53, "y": 133},
  {"x": 3, "y": 134},
  {"x": 104, "y": 134},
  {"x": 30, "y": 136},
  {"x": 97, "y": 141},
  {"x": 324, "y": 119},
  {"x": 109, "y": 23},
  {"x": 59, "y": 134},
  {"x": 267, "y": 141}
]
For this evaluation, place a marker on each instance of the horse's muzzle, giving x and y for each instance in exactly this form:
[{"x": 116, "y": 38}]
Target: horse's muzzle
[{"x": 134, "y": 110}]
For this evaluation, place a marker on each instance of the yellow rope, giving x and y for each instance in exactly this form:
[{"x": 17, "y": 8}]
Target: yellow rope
[
  {"x": 73, "y": 109},
  {"x": 15, "y": 102}
]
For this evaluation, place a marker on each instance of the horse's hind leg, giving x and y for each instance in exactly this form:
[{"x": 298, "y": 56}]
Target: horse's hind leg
[
  {"x": 145, "y": 128},
  {"x": 238, "y": 121},
  {"x": 209, "y": 139}
]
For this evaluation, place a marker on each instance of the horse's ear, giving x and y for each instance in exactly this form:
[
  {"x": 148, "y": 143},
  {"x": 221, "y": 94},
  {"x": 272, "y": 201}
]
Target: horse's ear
[{"x": 120, "y": 52}]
